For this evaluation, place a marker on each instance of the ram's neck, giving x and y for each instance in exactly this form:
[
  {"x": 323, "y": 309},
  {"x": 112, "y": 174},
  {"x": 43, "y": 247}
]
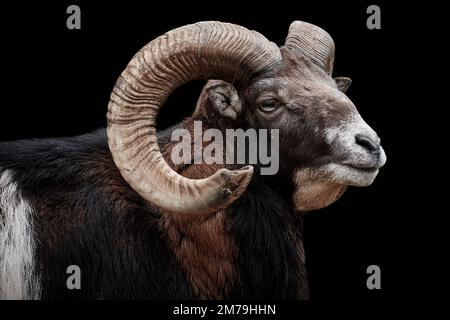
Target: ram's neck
[
  {"x": 270, "y": 245},
  {"x": 200, "y": 242},
  {"x": 252, "y": 249}
]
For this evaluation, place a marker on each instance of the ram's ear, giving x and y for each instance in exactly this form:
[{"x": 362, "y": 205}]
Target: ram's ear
[
  {"x": 224, "y": 98},
  {"x": 343, "y": 83}
]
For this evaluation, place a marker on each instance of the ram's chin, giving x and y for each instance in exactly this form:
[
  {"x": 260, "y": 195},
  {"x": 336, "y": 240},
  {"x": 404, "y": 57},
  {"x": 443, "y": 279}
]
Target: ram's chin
[
  {"x": 316, "y": 188},
  {"x": 314, "y": 196}
]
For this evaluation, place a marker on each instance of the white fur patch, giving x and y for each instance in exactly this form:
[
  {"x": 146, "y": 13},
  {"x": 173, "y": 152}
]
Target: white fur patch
[
  {"x": 342, "y": 139},
  {"x": 18, "y": 276}
]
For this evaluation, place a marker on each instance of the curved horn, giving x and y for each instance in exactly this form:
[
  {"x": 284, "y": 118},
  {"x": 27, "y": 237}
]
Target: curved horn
[
  {"x": 199, "y": 51},
  {"x": 312, "y": 42}
]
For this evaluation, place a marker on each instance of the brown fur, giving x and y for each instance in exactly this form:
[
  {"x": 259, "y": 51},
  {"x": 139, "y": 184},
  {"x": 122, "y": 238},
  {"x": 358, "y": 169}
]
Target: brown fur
[
  {"x": 203, "y": 245},
  {"x": 201, "y": 242}
]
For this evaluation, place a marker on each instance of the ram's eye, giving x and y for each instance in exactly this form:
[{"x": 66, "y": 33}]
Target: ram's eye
[{"x": 269, "y": 105}]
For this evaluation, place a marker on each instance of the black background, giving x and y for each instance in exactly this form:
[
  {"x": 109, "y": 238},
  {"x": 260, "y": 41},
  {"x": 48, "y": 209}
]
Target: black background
[{"x": 57, "y": 82}]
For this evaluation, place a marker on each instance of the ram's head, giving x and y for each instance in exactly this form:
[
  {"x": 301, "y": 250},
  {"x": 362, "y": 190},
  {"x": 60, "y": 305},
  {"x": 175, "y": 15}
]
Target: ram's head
[{"x": 325, "y": 145}]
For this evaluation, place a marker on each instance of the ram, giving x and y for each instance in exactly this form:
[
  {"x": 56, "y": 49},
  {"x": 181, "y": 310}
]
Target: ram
[{"x": 140, "y": 226}]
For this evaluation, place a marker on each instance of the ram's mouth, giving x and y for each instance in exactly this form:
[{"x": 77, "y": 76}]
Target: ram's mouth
[
  {"x": 362, "y": 167},
  {"x": 352, "y": 174}
]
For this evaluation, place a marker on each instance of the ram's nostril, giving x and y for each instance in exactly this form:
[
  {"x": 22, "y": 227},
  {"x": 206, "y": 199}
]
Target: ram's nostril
[{"x": 367, "y": 143}]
